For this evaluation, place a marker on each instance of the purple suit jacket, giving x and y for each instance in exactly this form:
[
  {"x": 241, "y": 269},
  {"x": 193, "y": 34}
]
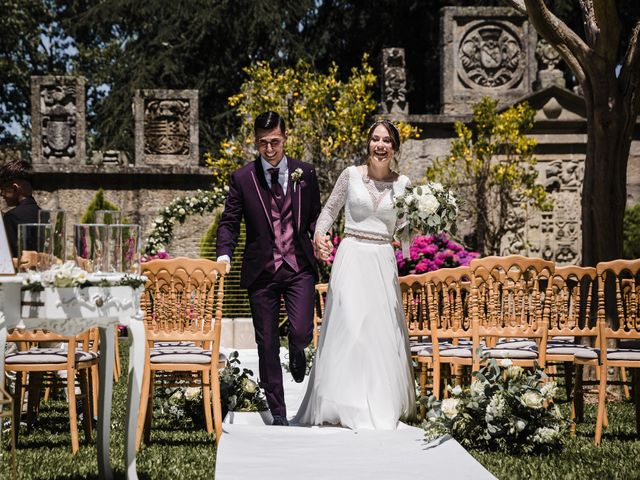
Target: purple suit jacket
[{"x": 250, "y": 197}]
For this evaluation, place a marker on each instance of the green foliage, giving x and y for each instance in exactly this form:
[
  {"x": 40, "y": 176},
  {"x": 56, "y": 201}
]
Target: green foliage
[
  {"x": 325, "y": 116},
  {"x": 492, "y": 166},
  {"x": 631, "y": 232},
  {"x": 506, "y": 408},
  {"x": 99, "y": 202}
]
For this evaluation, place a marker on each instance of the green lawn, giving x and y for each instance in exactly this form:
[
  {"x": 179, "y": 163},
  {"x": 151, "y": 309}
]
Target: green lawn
[{"x": 180, "y": 450}]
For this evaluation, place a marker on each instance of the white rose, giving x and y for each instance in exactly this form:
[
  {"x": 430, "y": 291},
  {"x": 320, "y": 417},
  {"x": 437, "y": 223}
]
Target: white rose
[
  {"x": 520, "y": 424},
  {"x": 477, "y": 388},
  {"x": 532, "y": 399},
  {"x": 409, "y": 199},
  {"x": 424, "y": 190},
  {"x": 182, "y": 211},
  {"x": 506, "y": 362},
  {"x": 437, "y": 187},
  {"x": 549, "y": 390},
  {"x": 514, "y": 371},
  {"x": 191, "y": 393},
  {"x": 457, "y": 390},
  {"x": 428, "y": 204},
  {"x": 249, "y": 385},
  {"x": 449, "y": 407}
]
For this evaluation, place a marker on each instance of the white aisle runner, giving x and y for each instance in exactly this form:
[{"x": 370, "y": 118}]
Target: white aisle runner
[{"x": 251, "y": 449}]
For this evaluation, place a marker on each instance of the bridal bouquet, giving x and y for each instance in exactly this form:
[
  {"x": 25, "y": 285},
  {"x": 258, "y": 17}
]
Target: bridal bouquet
[
  {"x": 427, "y": 209},
  {"x": 506, "y": 408}
]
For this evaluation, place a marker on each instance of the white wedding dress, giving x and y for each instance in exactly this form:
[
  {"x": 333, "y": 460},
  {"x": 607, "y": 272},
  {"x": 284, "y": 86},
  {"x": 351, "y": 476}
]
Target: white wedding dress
[{"x": 362, "y": 376}]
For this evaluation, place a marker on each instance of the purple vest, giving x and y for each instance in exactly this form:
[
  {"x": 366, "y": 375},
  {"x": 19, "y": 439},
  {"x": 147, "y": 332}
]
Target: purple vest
[{"x": 285, "y": 248}]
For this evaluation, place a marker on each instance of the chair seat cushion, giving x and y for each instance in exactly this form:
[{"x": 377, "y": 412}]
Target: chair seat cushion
[
  {"x": 182, "y": 355},
  {"x": 630, "y": 354},
  {"x": 561, "y": 339},
  {"x": 159, "y": 344},
  {"x": 510, "y": 353},
  {"x": 453, "y": 351},
  {"x": 47, "y": 355},
  {"x": 517, "y": 343},
  {"x": 580, "y": 351},
  {"x": 416, "y": 348}
]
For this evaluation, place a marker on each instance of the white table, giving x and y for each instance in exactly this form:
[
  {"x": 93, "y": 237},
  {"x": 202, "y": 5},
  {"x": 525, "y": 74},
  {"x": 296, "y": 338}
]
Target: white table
[{"x": 70, "y": 311}]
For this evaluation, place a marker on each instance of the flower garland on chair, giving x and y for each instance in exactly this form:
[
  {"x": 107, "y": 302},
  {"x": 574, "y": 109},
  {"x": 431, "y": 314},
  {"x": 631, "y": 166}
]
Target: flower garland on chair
[{"x": 178, "y": 210}]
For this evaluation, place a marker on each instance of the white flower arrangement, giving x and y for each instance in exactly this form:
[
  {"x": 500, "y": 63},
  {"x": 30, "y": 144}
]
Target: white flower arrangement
[
  {"x": 178, "y": 211},
  {"x": 427, "y": 209},
  {"x": 296, "y": 175},
  {"x": 69, "y": 275},
  {"x": 506, "y": 408}
]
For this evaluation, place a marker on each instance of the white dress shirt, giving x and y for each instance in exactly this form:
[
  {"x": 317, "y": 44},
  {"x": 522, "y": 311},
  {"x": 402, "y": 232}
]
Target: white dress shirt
[{"x": 283, "y": 180}]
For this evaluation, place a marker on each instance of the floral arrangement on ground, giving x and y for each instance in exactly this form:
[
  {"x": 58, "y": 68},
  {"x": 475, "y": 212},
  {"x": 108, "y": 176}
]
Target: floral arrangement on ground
[
  {"x": 238, "y": 393},
  {"x": 506, "y": 408},
  {"x": 310, "y": 355}
]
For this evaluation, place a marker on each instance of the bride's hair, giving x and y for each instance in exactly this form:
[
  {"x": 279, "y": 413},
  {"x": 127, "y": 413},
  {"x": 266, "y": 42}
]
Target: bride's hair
[{"x": 393, "y": 133}]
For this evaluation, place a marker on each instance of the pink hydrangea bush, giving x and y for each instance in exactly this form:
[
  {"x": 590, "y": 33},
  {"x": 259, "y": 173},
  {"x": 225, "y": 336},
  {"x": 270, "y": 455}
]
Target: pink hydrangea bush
[{"x": 432, "y": 252}]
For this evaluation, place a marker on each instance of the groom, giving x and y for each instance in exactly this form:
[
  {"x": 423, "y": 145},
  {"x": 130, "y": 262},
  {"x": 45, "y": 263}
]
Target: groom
[{"x": 279, "y": 199}]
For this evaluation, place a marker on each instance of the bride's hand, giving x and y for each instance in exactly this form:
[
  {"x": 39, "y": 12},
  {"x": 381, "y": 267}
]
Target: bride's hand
[{"x": 323, "y": 246}]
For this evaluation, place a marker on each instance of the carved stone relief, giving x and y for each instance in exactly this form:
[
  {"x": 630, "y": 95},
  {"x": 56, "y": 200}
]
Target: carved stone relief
[
  {"x": 487, "y": 51},
  {"x": 556, "y": 235},
  {"x": 58, "y": 117},
  {"x": 549, "y": 57},
  {"x": 166, "y": 127},
  {"x": 394, "y": 78}
]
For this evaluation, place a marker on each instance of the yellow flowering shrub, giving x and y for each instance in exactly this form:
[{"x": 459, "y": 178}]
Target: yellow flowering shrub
[{"x": 326, "y": 117}]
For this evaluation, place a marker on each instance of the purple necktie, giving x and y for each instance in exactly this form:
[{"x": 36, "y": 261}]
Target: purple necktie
[{"x": 276, "y": 188}]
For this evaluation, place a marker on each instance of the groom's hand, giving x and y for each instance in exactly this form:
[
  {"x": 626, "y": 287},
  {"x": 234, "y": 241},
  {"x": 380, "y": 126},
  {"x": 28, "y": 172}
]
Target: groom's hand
[{"x": 225, "y": 259}]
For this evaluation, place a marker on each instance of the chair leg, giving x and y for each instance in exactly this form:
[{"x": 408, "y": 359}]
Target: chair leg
[
  {"x": 568, "y": 378},
  {"x": 95, "y": 384},
  {"x": 625, "y": 384},
  {"x": 17, "y": 406},
  {"x": 149, "y": 415},
  {"x": 142, "y": 412},
  {"x": 73, "y": 419},
  {"x": 116, "y": 366},
  {"x": 436, "y": 380},
  {"x": 217, "y": 403},
  {"x": 636, "y": 396},
  {"x": 602, "y": 397},
  {"x": 86, "y": 404},
  {"x": 33, "y": 401},
  {"x": 423, "y": 387},
  {"x": 206, "y": 399}
]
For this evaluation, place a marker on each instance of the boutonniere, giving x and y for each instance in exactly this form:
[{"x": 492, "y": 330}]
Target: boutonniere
[{"x": 296, "y": 176}]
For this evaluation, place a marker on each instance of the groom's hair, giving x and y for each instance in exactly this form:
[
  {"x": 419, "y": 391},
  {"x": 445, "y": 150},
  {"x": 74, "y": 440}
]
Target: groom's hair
[{"x": 269, "y": 121}]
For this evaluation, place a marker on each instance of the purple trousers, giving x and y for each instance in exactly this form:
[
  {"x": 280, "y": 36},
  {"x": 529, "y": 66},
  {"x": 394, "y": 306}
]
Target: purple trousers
[{"x": 298, "y": 291}]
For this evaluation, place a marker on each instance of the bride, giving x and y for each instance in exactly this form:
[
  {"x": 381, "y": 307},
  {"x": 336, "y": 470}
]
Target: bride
[{"x": 362, "y": 376}]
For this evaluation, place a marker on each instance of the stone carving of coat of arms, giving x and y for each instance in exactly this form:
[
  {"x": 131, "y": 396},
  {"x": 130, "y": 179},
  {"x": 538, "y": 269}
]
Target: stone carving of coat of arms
[
  {"x": 57, "y": 104},
  {"x": 491, "y": 56},
  {"x": 166, "y": 127}
]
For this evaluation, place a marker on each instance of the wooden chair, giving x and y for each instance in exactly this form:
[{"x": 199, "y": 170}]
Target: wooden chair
[
  {"x": 573, "y": 330},
  {"x": 449, "y": 293},
  {"x": 414, "y": 303},
  {"x": 318, "y": 313},
  {"x": 618, "y": 322},
  {"x": 6, "y": 411},
  {"x": 182, "y": 304},
  {"x": 511, "y": 306},
  {"x": 32, "y": 361}
]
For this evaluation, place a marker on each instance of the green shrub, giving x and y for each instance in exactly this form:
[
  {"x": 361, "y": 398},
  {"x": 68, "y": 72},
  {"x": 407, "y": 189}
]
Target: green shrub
[{"x": 99, "y": 202}]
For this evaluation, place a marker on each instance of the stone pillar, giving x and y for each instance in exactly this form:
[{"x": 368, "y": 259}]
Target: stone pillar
[
  {"x": 549, "y": 75},
  {"x": 394, "y": 83},
  {"x": 166, "y": 127},
  {"x": 486, "y": 51},
  {"x": 58, "y": 120}
]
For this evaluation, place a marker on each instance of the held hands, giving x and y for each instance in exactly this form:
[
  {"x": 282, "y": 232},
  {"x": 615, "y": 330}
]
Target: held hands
[{"x": 323, "y": 246}]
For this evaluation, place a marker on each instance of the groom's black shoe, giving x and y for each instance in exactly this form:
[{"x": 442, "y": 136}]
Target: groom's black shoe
[
  {"x": 297, "y": 363},
  {"x": 280, "y": 420}
]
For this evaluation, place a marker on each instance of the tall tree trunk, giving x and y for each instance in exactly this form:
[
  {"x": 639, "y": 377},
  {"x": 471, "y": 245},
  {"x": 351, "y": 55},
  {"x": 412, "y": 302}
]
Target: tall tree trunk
[
  {"x": 481, "y": 216},
  {"x": 604, "y": 194}
]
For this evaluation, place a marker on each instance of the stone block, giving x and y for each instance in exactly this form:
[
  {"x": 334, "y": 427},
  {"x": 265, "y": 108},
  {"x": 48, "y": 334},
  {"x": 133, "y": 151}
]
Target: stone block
[
  {"x": 166, "y": 127},
  {"x": 243, "y": 333},
  {"x": 58, "y": 120},
  {"x": 486, "y": 51}
]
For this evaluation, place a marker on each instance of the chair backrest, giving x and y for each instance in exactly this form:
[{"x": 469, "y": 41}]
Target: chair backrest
[
  {"x": 414, "y": 304},
  {"x": 574, "y": 304},
  {"x": 449, "y": 301},
  {"x": 318, "y": 314},
  {"x": 182, "y": 300},
  {"x": 618, "y": 299},
  {"x": 512, "y": 296}
]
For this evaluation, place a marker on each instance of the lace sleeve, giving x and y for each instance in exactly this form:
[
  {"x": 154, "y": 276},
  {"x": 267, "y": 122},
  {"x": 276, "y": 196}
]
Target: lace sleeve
[{"x": 334, "y": 204}]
